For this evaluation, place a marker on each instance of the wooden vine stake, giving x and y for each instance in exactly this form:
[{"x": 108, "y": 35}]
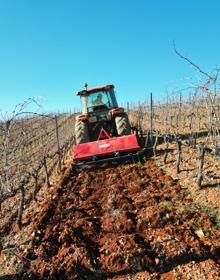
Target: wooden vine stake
[
  {"x": 151, "y": 115},
  {"x": 155, "y": 145},
  {"x": 21, "y": 207},
  {"x": 46, "y": 172},
  {"x": 58, "y": 144},
  {"x": 36, "y": 186},
  {"x": 201, "y": 164},
  {"x": 146, "y": 145},
  {"x": 179, "y": 156},
  {"x": 165, "y": 150}
]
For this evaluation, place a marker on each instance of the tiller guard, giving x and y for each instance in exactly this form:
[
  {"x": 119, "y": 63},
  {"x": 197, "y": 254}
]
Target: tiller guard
[{"x": 107, "y": 150}]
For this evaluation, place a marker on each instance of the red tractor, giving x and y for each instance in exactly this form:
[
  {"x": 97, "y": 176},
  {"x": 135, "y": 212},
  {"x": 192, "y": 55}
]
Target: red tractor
[
  {"x": 103, "y": 129},
  {"x": 100, "y": 111}
]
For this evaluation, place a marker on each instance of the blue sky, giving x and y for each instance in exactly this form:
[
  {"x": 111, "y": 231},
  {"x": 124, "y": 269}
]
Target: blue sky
[{"x": 50, "y": 48}]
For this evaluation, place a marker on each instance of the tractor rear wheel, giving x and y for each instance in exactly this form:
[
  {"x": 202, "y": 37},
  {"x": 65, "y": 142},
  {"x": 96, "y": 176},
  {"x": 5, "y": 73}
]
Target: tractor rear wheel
[
  {"x": 81, "y": 132},
  {"x": 122, "y": 125}
]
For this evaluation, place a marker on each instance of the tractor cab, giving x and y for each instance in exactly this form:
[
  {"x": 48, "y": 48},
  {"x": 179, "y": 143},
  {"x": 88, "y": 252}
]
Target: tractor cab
[
  {"x": 100, "y": 112},
  {"x": 98, "y": 99}
]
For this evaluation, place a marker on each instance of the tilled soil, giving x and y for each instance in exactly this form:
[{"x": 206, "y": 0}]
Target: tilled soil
[{"x": 125, "y": 222}]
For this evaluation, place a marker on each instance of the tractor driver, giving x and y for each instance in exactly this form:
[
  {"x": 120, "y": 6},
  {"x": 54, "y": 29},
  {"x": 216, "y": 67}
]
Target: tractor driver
[{"x": 98, "y": 100}]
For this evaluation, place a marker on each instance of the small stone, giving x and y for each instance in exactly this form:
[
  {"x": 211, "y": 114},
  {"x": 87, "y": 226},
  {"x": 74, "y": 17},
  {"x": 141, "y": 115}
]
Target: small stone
[{"x": 200, "y": 233}]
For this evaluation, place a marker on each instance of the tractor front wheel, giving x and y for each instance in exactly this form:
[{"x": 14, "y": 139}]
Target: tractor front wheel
[
  {"x": 81, "y": 132},
  {"x": 122, "y": 125}
]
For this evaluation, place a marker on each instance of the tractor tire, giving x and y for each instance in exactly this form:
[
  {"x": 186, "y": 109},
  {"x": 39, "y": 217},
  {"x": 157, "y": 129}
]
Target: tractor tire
[
  {"x": 81, "y": 132},
  {"x": 122, "y": 125}
]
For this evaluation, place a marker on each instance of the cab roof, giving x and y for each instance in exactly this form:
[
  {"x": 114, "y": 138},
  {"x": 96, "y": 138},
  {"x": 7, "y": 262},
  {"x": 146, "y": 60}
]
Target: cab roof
[{"x": 95, "y": 89}]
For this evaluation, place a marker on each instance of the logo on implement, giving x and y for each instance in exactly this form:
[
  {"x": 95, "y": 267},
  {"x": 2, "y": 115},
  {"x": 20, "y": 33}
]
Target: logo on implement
[{"x": 104, "y": 145}]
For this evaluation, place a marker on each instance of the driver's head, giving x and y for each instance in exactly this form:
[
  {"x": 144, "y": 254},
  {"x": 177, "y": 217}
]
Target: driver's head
[{"x": 99, "y": 97}]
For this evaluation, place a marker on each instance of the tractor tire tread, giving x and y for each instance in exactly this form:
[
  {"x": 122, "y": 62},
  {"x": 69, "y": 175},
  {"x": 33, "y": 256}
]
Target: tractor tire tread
[
  {"x": 81, "y": 132},
  {"x": 122, "y": 125}
]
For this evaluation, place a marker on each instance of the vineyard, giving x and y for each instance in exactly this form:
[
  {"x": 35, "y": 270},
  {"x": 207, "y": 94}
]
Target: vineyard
[
  {"x": 158, "y": 219},
  {"x": 32, "y": 149}
]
